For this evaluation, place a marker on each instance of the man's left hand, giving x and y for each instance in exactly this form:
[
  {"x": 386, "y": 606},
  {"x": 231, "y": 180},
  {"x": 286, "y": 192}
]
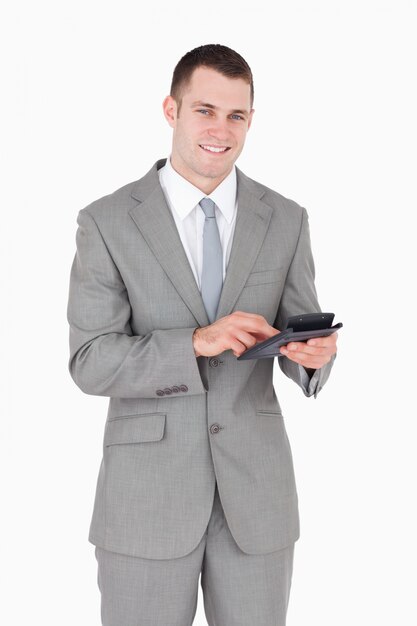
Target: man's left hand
[{"x": 311, "y": 354}]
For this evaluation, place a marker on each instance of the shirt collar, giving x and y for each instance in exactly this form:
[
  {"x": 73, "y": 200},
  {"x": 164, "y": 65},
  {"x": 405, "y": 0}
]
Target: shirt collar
[{"x": 184, "y": 196}]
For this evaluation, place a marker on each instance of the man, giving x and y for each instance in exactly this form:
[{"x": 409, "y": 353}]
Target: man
[{"x": 175, "y": 275}]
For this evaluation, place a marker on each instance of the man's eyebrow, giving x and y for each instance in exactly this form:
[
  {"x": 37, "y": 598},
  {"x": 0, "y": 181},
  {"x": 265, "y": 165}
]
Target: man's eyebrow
[{"x": 207, "y": 105}]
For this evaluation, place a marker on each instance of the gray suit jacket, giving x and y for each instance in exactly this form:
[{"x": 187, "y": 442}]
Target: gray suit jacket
[{"x": 176, "y": 423}]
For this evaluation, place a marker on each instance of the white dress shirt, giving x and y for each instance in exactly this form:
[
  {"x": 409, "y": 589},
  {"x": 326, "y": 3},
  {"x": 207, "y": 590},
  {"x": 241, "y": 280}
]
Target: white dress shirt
[{"x": 183, "y": 199}]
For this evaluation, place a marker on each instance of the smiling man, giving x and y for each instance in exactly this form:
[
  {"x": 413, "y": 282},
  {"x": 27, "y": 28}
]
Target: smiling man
[
  {"x": 208, "y": 132},
  {"x": 174, "y": 276}
]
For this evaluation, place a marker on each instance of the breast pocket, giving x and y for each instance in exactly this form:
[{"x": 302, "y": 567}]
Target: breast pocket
[
  {"x": 131, "y": 429},
  {"x": 262, "y": 277}
]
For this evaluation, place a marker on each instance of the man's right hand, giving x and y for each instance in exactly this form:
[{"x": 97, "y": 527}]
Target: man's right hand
[{"x": 237, "y": 332}]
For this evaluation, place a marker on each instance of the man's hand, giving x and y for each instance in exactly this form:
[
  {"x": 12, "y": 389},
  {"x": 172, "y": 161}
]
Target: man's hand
[
  {"x": 237, "y": 332},
  {"x": 311, "y": 354}
]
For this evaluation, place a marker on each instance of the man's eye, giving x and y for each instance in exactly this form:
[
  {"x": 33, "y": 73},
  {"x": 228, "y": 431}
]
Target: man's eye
[{"x": 233, "y": 114}]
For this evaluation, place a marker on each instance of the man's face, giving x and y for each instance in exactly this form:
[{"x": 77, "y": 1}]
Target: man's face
[{"x": 223, "y": 124}]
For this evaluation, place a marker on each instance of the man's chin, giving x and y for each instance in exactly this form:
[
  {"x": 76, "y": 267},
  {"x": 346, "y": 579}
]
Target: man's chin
[{"x": 214, "y": 171}]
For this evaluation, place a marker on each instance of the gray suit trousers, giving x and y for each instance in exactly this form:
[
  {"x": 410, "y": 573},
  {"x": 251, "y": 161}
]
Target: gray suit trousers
[{"x": 239, "y": 589}]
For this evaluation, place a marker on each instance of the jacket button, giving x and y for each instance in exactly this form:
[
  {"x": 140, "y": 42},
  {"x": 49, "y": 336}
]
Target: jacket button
[
  {"x": 214, "y": 428},
  {"x": 167, "y": 391},
  {"x": 214, "y": 362},
  {"x": 183, "y": 387},
  {"x": 159, "y": 392},
  {"x": 175, "y": 389}
]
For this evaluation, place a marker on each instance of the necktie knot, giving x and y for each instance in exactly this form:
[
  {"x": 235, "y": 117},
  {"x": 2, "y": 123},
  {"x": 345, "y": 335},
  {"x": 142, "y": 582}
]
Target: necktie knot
[{"x": 207, "y": 204}]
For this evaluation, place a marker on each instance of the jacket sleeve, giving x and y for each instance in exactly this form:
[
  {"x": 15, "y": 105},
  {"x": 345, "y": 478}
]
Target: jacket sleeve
[
  {"x": 299, "y": 296},
  {"x": 106, "y": 358}
]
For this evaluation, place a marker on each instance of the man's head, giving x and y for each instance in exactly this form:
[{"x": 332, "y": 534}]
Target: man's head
[{"x": 210, "y": 104}]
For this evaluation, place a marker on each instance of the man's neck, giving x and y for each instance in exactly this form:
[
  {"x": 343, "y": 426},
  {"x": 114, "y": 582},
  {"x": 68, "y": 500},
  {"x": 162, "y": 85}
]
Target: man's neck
[{"x": 206, "y": 185}]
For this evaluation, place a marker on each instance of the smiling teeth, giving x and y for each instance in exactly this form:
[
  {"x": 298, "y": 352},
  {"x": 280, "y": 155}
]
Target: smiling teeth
[{"x": 211, "y": 149}]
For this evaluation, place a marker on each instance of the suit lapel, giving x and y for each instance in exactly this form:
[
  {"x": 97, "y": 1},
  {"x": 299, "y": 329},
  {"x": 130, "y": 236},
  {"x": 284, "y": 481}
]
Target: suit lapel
[{"x": 154, "y": 219}]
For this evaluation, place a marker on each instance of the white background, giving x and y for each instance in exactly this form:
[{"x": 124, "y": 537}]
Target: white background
[{"x": 335, "y": 130}]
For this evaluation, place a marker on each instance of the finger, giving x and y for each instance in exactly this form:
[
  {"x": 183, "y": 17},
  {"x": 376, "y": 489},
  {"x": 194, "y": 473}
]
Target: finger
[
  {"x": 254, "y": 316},
  {"x": 303, "y": 348},
  {"x": 323, "y": 341},
  {"x": 252, "y": 323},
  {"x": 242, "y": 341},
  {"x": 260, "y": 336},
  {"x": 263, "y": 330},
  {"x": 307, "y": 360},
  {"x": 300, "y": 346}
]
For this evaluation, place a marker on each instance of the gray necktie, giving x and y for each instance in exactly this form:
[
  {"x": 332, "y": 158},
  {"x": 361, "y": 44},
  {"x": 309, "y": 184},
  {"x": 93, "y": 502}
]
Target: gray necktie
[{"x": 212, "y": 274}]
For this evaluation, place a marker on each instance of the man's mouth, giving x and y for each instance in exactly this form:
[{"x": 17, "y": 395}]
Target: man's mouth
[{"x": 214, "y": 149}]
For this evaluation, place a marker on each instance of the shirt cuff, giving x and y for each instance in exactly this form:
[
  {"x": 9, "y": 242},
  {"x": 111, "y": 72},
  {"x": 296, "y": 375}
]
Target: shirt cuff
[{"x": 308, "y": 384}]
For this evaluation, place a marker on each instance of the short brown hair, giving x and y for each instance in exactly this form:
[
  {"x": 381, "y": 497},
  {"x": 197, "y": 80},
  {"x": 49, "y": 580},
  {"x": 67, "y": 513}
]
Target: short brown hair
[{"x": 220, "y": 58}]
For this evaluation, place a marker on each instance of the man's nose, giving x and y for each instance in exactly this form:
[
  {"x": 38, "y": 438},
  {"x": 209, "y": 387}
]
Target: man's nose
[{"x": 219, "y": 129}]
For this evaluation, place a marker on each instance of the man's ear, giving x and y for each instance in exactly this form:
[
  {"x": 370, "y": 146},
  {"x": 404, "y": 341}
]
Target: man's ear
[
  {"x": 252, "y": 111},
  {"x": 169, "y": 107}
]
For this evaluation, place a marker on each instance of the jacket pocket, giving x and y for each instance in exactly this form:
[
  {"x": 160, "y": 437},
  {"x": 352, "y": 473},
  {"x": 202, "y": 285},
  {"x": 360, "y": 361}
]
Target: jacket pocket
[
  {"x": 273, "y": 413},
  {"x": 265, "y": 276},
  {"x": 134, "y": 428}
]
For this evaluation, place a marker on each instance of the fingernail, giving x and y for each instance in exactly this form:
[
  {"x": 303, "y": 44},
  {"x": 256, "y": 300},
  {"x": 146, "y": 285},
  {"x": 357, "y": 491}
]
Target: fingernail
[{"x": 311, "y": 342}]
